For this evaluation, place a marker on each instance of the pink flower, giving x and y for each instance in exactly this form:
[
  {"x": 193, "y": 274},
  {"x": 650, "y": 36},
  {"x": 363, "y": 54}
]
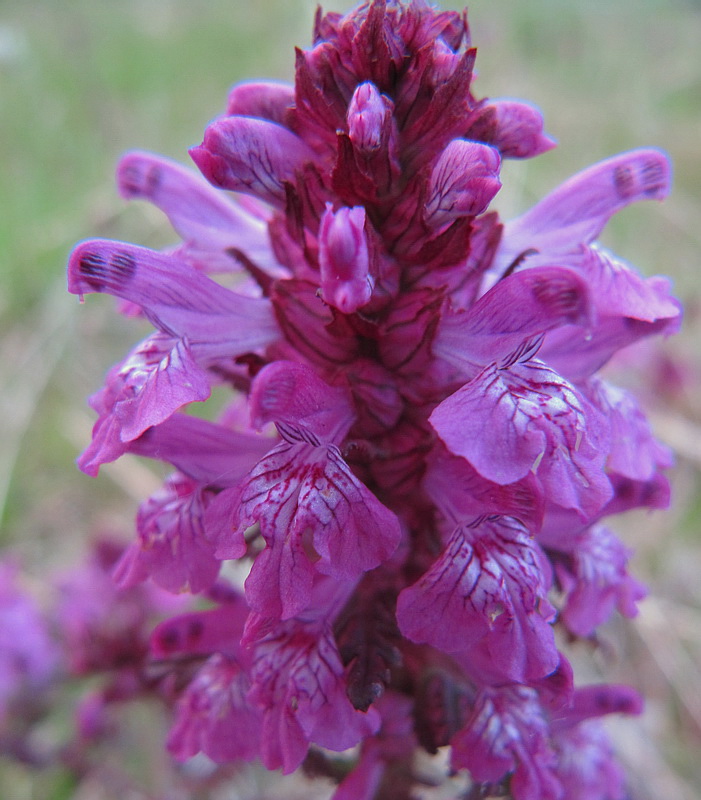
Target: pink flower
[{"x": 429, "y": 447}]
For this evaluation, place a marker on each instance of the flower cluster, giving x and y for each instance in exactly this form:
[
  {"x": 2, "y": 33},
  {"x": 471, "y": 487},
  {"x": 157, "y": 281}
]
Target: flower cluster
[{"x": 419, "y": 453}]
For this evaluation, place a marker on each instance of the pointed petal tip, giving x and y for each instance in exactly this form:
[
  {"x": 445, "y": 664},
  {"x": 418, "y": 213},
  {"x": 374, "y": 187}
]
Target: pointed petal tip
[{"x": 212, "y": 166}]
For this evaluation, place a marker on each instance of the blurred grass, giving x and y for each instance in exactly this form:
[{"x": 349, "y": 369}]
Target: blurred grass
[{"x": 80, "y": 82}]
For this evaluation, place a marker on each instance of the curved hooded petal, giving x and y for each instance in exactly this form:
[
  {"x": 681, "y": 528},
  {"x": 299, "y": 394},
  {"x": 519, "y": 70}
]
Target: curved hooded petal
[
  {"x": 249, "y": 155},
  {"x": 519, "y": 129},
  {"x": 176, "y": 298},
  {"x": 269, "y": 100},
  {"x": 463, "y": 182}
]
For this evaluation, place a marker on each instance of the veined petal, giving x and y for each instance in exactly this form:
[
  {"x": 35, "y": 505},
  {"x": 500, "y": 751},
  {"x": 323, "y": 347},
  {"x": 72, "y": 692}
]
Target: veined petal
[
  {"x": 298, "y": 684},
  {"x": 208, "y": 222},
  {"x": 158, "y": 377},
  {"x": 577, "y": 211},
  {"x": 213, "y": 715},
  {"x": 509, "y": 733},
  {"x": 158, "y": 391},
  {"x": 595, "y": 581},
  {"x": 634, "y": 453},
  {"x": 488, "y": 590},
  {"x": 463, "y": 182},
  {"x": 176, "y": 298},
  {"x": 173, "y": 548},
  {"x": 251, "y": 155},
  {"x": 509, "y": 422},
  {"x": 315, "y": 516}
]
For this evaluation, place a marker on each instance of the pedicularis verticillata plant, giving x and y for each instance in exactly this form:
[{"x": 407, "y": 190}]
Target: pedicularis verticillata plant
[{"x": 419, "y": 454}]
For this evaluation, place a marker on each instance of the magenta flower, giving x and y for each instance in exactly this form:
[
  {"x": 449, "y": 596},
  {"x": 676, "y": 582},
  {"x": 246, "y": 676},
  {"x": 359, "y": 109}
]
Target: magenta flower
[{"x": 427, "y": 450}]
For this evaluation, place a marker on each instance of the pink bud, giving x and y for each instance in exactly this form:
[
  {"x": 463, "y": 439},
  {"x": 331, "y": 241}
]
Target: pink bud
[
  {"x": 344, "y": 259},
  {"x": 369, "y": 117}
]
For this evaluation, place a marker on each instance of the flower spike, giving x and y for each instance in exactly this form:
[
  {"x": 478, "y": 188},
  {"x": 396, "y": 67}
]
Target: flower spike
[{"x": 417, "y": 463}]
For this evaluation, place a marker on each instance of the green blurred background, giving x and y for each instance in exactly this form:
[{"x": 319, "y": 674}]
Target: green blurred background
[{"x": 81, "y": 82}]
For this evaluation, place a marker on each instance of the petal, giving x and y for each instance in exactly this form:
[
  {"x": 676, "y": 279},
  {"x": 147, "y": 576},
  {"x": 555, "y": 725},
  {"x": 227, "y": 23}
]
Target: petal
[
  {"x": 291, "y": 393},
  {"x": 154, "y": 381},
  {"x": 173, "y": 548},
  {"x": 159, "y": 389},
  {"x": 462, "y": 494},
  {"x": 627, "y": 306},
  {"x": 618, "y": 290},
  {"x": 577, "y": 353},
  {"x": 634, "y": 452},
  {"x": 298, "y": 683},
  {"x": 251, "y": 155},
  {"x": 595, "y": 581},
  {"x": 208, "y": 453},
  {"x": 507, "y": 732},
  {"x": 519, "y": 129},
  {"x": 487, "y": 588},
  {"x": 208, "y": 222},
  {"x": 176, "y": 298},
  {"x": 577, "y": 211},
  {"x": 216, "y": 630},
  {"x": 269, "y": 100},
  {"x": 527, "y": 418},
  {"x": 463, "y": 182},
  {"x": 524, "y": 305},
  {"x": 315, "y": 515},
  {"x": 597, "y": 700},
  {"x": 213, "y": 716},
  {"x": 586, "y": 764}
]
